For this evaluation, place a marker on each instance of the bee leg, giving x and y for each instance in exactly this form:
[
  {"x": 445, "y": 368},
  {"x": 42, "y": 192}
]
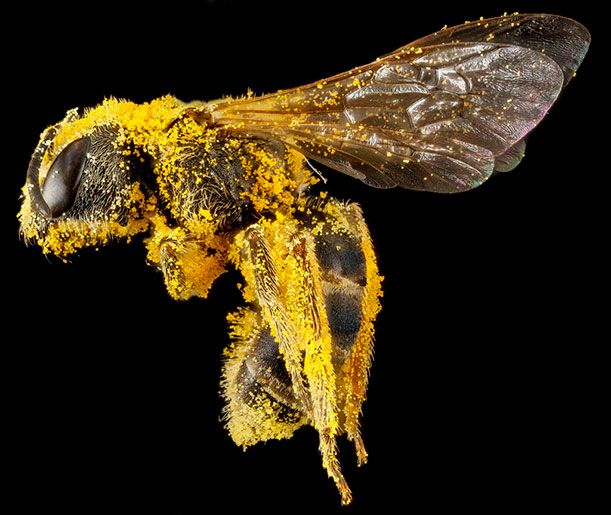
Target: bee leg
[
  {"x": 173, "y": 274},
  {"x": 306, "y": 303},
  {"x": 190, "y": 266},
  {"x": 260, "y": 269},
  {"x": 328, "y": 450}
]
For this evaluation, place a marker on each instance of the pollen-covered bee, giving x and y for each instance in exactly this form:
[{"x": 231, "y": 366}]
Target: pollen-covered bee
[{"x": 228, "y": 183}]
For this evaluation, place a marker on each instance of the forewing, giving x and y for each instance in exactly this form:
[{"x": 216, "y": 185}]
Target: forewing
[
  {"x": 562, "y": 39},
  {"x": 425, "y": 117}
]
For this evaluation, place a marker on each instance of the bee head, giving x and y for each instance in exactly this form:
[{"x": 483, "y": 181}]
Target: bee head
[{"x": 82, "y": 188}]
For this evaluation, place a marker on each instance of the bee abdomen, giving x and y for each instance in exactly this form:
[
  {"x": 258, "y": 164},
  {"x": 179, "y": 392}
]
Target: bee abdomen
[
  {"x": 257, "y": 396},
  {"x": 344, "y": 271},
  {"x": 266, "y": 365},
  {"x": 341, "y": 256},
  {"x": 260, "y": 400},
  {"x": 344, "y": 315}
]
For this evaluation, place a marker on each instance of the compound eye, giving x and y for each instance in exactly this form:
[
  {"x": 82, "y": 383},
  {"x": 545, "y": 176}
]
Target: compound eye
[{"x": 62, "y": 181}]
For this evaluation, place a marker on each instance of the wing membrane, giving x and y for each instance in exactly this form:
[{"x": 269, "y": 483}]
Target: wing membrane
[
  {"x": 426, "y": 117},
  {"x": 562, "y": 39}
]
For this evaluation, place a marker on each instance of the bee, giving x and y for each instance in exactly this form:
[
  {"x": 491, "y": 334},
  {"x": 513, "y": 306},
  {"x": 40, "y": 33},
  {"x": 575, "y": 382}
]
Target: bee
[{"x": 228, "y": 183}]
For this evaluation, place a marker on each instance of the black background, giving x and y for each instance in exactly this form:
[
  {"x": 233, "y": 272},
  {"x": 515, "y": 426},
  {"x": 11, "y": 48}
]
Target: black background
[{"x": 111, "y": 387}]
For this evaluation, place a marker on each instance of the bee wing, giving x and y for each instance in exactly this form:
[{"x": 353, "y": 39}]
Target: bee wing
[
  {"x": 434, "y": 115},
  {"x": 562, "y": 39}
]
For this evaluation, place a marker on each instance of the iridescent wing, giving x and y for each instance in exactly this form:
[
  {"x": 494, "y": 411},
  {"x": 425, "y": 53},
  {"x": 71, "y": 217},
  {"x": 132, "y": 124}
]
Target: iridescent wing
[{"x": 436, "y": 115}]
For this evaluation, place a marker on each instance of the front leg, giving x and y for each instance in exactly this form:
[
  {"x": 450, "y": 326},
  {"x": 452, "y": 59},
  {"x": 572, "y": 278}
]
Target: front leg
[{"x": 190, "y": 264}]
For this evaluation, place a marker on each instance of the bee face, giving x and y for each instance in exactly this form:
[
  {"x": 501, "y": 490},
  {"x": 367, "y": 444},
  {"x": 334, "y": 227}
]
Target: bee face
[{"x": 81, "y": 189}]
